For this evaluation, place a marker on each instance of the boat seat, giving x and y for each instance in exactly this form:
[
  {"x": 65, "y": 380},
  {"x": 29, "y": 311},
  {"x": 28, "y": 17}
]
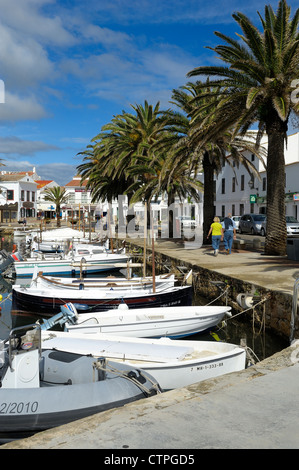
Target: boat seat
[{"x": 60, "y": 367}]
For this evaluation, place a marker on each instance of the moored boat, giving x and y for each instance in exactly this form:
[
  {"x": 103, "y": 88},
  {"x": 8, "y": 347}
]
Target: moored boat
[
  {"x": 173, "y": 322},
  {"x": 46, "y": 301},
  {"x": 43, "y": 388},
  {"x": 173, "y": 363},
  {"x": 86, "y": 258}
]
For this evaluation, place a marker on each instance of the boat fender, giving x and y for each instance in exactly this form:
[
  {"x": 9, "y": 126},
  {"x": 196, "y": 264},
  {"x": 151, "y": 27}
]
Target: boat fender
[
  {"x": 245, "y": 300},
  {"x": 81, "y": 306},
  {"x": 123, "y": 306}
]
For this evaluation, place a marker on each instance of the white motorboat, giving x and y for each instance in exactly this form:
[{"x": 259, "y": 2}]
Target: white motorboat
[
  {"x": 43, "y": 388},
  {"x": 173, "y": 322},
  {"x": 173, "y": 363},
  {"x": 80, "y": 258}
]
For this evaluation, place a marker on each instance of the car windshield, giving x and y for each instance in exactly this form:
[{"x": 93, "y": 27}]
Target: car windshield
[
  {"x": 290, "y": 218},
  {"x": 259, "y": 217}
]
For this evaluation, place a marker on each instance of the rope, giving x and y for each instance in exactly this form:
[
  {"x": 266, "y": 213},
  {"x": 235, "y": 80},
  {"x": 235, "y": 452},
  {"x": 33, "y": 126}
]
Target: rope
[
  {"x": 222, "y": 293},
  {"x": 125, "y": 375}
]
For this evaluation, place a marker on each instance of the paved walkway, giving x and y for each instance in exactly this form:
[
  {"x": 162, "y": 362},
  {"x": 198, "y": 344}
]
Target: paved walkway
[
  {"x": 253, "y": 409},
  {"x": 272, "y": 272}
]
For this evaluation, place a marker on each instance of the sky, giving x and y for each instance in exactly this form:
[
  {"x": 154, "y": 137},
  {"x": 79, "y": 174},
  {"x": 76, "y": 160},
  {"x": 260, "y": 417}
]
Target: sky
[{"x": 69, "y": 66}]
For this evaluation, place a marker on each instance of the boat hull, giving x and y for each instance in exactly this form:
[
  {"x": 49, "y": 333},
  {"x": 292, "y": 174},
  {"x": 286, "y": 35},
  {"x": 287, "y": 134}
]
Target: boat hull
[
  {"x": 24, "y": 411},
  {"x": 49, "y": 302},
  {"x": 25, "y": 269},
  {"x": 173, "y": 363},
  {"x": 173, "y": 322}
]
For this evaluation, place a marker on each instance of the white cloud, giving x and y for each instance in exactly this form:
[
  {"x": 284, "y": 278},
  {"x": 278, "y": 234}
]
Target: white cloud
[
  {"x": 15, "y": 146},
  {"x": 21, "y": 108}
]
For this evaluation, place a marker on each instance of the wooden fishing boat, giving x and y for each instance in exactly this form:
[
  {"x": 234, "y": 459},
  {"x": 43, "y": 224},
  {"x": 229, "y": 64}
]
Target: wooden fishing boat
[{"x": 45, "y": 301}]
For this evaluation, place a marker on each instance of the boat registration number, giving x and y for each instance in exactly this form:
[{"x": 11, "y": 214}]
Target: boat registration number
[
  {"x": 210, "y": 366},
  {"x": 18, "y": 408}
]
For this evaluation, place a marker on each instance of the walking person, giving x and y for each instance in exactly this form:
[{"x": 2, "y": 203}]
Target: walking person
[
  {"x": 216, "y": 231},
  {"x": 228, "y": 233}
]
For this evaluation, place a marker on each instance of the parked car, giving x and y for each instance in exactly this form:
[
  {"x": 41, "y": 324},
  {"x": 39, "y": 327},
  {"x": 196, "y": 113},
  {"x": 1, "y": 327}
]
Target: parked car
[
  {"x": 253, "y": 223},
  {"x": 292, "y": 225},
  {"x": 186, "y": 221},
  {"x": 236, "y": 219}
]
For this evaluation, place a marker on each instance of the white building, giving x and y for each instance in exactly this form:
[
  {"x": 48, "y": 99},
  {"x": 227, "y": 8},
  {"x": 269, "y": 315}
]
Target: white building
[
  {"x": 45, "y": 209},
  {"x": 18, "y": 196},
  {"x": 239, "y": 193}
]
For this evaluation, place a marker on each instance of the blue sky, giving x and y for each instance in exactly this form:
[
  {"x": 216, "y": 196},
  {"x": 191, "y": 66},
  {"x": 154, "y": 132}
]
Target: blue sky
[{"x": 69, "y": 66}]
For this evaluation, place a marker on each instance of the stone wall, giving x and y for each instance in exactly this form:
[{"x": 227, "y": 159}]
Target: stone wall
[{"x": 272, "y": 308}]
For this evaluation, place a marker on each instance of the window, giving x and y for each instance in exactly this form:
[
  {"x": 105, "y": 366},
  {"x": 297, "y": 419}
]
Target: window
[
  {"x": 264, "y": 184},
  {"x": 234, "y": 184},
  {"x": 223, "y": 186},
  {"x": 222, "y": 211},
  {"x": 241, "y": 211},
  {"x": 10, "y": 195},
  {"x": 242, "y": 182},
  {"x": 33, "y": 196},
  {"x": 28, "y": 195},
  {"x": 22, "y": 195},
  {"x": 252, "y": 157},
  {"x": 233, "y": 209}
]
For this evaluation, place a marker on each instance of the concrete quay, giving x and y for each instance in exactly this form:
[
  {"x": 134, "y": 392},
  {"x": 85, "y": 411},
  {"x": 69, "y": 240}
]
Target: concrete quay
[{"x": 252, "y": 409}]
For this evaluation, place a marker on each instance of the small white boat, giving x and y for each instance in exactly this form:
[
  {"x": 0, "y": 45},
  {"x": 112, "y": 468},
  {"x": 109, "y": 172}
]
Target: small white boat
[
  {"x": 43, "y": 388},
  {"x": 80, "y": 258},
  {"x": 173, "y": 322},
  {"x": 173, "y": 363}
]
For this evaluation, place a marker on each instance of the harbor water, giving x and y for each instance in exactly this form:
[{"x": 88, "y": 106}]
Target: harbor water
[{"x": 263, "y": 343}]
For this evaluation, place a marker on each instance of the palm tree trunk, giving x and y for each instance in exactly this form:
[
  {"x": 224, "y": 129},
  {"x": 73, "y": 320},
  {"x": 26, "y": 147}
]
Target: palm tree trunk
[
  {"x": 276, "y": 225},
  {"x": 209, "y": 197},
  {"x": 170, "y": 202}
]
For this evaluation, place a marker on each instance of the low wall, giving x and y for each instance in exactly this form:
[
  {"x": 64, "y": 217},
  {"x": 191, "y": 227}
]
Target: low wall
[{"x": 272, "y": 310}]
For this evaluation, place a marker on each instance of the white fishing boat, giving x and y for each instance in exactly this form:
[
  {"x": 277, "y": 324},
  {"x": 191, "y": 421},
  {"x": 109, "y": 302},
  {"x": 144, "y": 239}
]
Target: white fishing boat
[
  {"x": 46, "y": 301},
  {"x": 107, "y": 282},
  {"x": 43, "y": 388},
  {"x": 173, "y": 363},
  {"x": 173, "y": 322},
  {"x": 80, "y": 258},
  {"x": 57, "y": 239}
]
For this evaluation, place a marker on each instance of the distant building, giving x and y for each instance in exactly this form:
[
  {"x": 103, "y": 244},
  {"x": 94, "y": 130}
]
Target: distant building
[
  {"x": 45, "y": 209},
  {"x": 18, "y": 196},
  {"x": 79, "y": 204}
]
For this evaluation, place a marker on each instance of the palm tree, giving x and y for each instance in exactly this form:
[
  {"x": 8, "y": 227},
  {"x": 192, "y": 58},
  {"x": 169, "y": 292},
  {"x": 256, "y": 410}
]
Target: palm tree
[
  {"x": 58, "y": 196},
  {"x": 122, "y": 146},
  {"x": 257, "y": 80},
  {"x": 211, "y": 153}
]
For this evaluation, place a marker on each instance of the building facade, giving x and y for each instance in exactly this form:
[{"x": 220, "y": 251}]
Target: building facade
[
  {"x": 18, "y": 196},
  {"x": 239, "y": 192}
]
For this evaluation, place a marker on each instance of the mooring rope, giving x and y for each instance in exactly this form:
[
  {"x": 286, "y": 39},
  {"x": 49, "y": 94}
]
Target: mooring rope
[{"x": 114, "y": 370}]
